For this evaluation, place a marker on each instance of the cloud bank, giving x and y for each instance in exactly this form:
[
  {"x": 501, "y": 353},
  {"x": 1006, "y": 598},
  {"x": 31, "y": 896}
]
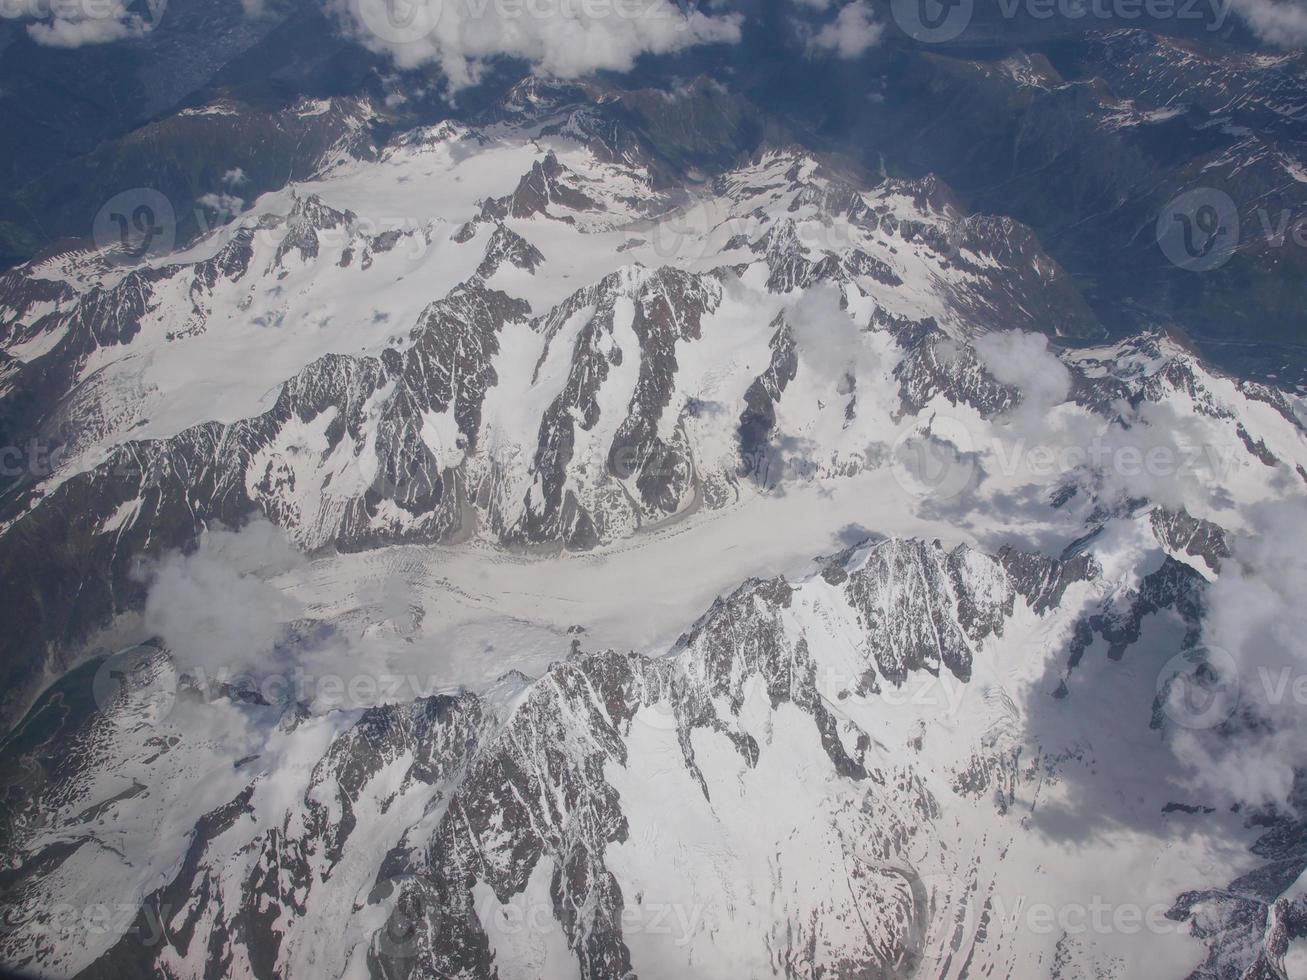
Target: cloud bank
[
  {"x": 1279, "y": 22},
  {"x": 217, "y": 605},
  {"x": 560, "y": 38},
  {"x": 1015, "y": 357},
  {"x": 227, "y": 613},
  {"x": 75, "y": 23},
  {"x": 1256, "y": 616},
  {"x": 851, "y": 34}
]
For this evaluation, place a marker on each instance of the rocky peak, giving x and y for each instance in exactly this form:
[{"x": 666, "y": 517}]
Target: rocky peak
[{"x": 547, "y": 183}]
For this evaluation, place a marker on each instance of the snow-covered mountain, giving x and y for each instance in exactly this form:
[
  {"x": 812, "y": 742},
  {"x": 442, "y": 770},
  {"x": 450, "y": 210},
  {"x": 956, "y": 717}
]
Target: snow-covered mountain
[
  {"x": 523, "y": 397},
  {"x": 1089, "y": 139},
  {"x": 861, "y": 772}
]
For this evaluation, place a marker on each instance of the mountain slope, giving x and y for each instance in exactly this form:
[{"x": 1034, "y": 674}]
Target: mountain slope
[
  {"x": 571, "y": 819},
  {"x": 516, "y": 400}
]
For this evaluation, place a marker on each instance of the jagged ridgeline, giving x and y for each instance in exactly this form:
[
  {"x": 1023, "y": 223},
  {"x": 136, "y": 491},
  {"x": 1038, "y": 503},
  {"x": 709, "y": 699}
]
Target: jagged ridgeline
[
  {"x": 566, "y": 351},
  {"x": 540, "y": 335},
  {"x": 568, "y": 802}
]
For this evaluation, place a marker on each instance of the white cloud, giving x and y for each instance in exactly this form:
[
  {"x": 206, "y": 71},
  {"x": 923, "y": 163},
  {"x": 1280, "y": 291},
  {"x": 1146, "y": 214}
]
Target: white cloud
[
  {"x": 234, "y": 177},
  {"x": 1156, "y": 451},
  {"x": 74, "y": 23},
  {"x": 1255, "y": 613},
  {"x": 1024, "y": 361},
  {"x": 215, "y": 608},
  {"x": 228, "y": 613},
  {"x": 226, "y": 205},
  {"x": 560, "y": 38},
  {"x": 853, "y": 32},
  {"x": 828, "y": 340},
  {"x": 1279, "y": 22}
]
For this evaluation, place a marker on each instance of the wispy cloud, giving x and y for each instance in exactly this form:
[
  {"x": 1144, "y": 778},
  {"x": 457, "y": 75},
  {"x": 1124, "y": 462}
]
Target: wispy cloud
[
  {"x": 852, "y": 33},
  {"x": 561, "y": 38},
  {"x": 1279, "y": 22},
  {"x": 75, "y": 23}
]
